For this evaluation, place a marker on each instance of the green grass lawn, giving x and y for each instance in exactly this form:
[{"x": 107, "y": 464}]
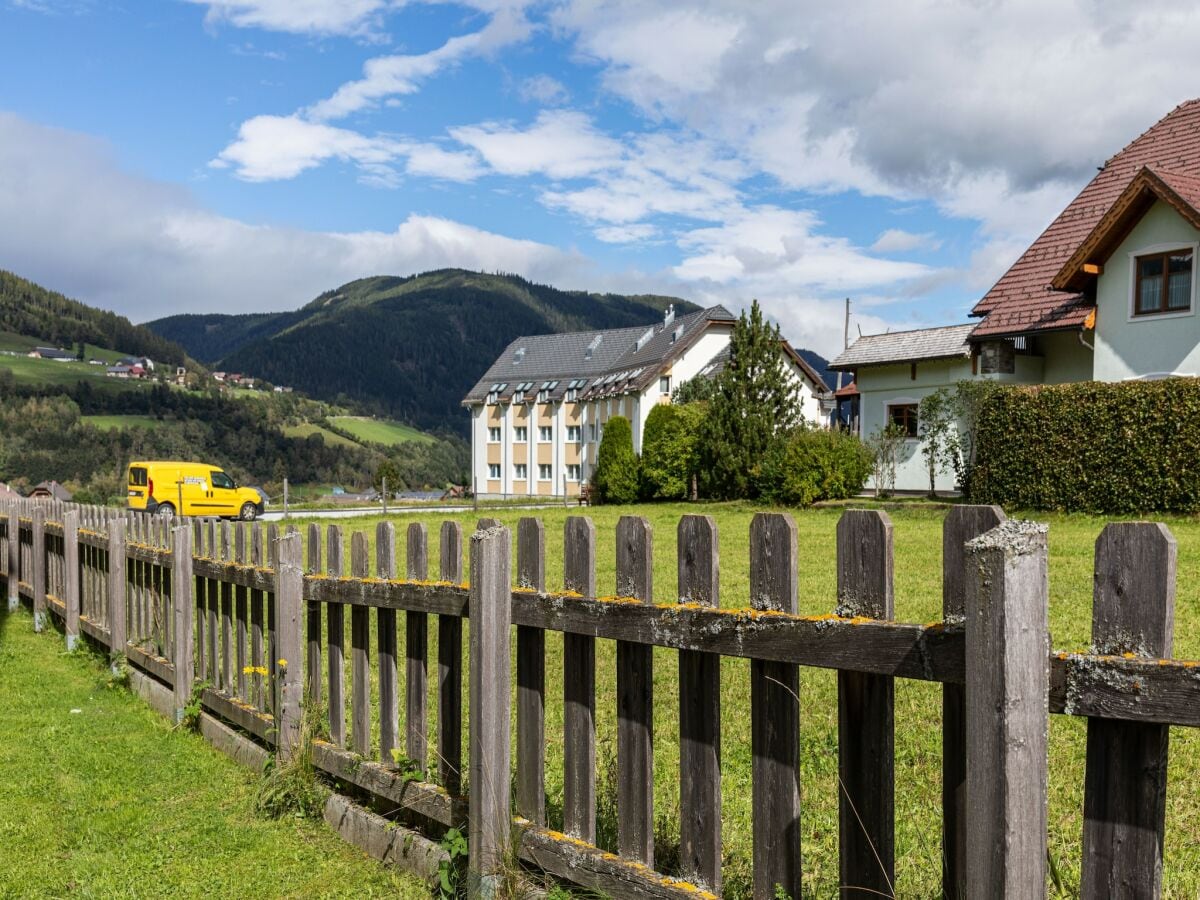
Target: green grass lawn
[
  {"x": 52, "y": 372},
  {"x": 308, "y": 429},
  {"x": 918, "y": 705},
  {"x": 99, "y": 797},
  {"x": 110, "y": 423},
  {"x": 379, "y": 431}
]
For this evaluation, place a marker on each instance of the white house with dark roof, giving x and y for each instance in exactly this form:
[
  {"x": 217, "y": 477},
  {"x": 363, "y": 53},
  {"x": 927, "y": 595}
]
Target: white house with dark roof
[
  {"x": 1108, "y": 292},
  {"x": 538, "y": 413}
]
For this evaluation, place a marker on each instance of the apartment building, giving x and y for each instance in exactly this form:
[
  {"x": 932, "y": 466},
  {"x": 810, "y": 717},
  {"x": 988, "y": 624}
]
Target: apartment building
[{"x": 538, "y": 413}]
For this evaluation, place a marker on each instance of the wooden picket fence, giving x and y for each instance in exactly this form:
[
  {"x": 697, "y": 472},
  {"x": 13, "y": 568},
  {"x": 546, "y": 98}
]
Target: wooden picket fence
[{"x": 256, "y": 628}]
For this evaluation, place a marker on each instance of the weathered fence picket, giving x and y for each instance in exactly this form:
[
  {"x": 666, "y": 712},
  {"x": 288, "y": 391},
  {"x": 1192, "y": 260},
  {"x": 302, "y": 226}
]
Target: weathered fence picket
[{"x": 185, "y": 604}]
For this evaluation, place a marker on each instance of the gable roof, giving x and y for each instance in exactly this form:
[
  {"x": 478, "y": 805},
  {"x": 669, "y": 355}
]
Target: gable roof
[
  {"x": 946, "y": 342},
  {"x": 594, "y": 355},
  {"x": 718, "y": 363},
  {"x": 1178, "y": 190},
  {"x": 1022, "y": 301}
]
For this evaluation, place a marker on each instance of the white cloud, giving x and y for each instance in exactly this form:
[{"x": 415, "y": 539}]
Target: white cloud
[
  {"x": 298, "y": 16},
  {"x": 561, "y": 144},
  {"x": 544, "y": 90},
  {"x": 72, "y": 220},
  {"x": 389, "y": 76},
  {"x": 270, "y": 148},
  {"x": 897, "y": 240},
  {"x": 626, "y": 234},
  {"x": 921, "y": 101}
]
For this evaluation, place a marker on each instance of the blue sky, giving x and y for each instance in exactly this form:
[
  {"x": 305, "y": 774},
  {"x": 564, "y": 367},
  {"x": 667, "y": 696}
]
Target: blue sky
[{"x": 243, "y": 155}]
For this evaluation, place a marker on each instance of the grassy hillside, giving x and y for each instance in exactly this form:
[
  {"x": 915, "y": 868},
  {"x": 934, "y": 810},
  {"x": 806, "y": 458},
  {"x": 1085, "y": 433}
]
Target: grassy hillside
[
  {"x": 404, "y": 348},
  {"x": 31, "y": 310},
  {"x": 379, "y": 431}
]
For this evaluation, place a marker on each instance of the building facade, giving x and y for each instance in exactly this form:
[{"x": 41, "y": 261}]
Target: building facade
[
  {"x": 538, "y": 413},
  {"x": 1108, "y": 292}
]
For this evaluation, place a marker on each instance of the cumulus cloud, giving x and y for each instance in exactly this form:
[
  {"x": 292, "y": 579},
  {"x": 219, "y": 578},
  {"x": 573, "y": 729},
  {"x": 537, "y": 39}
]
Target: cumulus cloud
[
  {"x": 298, "y": 16},
  {"x": 544, "y": 90},
  {"x": 897, "y": 240},
  {"x": 560, "y": 144},
  {"x": 72, "y": 219}
]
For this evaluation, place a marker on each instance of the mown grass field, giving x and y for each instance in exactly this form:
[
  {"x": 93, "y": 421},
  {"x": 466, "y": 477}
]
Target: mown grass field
[
  {"x": 111, "y": 423},
  {"x": 308, "y": 429},
  {"x": 380, "y": 431},
  {"x": 99, "y": 797},
  {"x": 917, "y": 533}
]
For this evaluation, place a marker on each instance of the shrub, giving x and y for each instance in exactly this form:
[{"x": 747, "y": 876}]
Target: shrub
[
  {"x": 811, "y": 465},
  {"x": 669, "y": 446},
  {"x": 616, "y": 477},
  {"x": 1107, "y": 448}
]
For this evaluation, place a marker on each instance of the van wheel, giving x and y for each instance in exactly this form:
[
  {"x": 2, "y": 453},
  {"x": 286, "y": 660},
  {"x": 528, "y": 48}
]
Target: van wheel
[
  {"x": 249, "y": 512},
  {"x": 166, "y": 510}
]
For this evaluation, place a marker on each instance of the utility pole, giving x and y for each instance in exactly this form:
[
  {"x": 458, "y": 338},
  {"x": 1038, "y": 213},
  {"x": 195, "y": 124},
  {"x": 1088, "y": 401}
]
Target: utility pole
[{"x": 845, "y": 339}]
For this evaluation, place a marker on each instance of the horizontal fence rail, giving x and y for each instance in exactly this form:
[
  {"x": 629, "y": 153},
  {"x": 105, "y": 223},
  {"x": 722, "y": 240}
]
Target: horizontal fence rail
[{"x": 255, "y": 627}]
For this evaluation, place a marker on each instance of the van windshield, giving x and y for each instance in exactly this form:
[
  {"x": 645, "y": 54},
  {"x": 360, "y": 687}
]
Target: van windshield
[
  {"x": 137, "y": 476},
  {"x": 221, "y": 480}
]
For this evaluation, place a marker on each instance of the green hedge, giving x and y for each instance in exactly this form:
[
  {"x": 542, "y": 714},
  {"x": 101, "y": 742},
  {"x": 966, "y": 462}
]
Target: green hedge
[{"x": 1131, "y": 447}]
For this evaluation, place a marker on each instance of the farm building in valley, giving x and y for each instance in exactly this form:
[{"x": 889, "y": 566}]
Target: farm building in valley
[
  {"x": 1106, "y": 293},
  {"x": 538, "y": 414}
]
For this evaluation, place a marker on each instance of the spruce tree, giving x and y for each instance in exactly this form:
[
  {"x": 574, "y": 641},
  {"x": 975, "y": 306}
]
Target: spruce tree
[
  {"x": 754, "y": 402},
  {"x": 616, "y": 477}
]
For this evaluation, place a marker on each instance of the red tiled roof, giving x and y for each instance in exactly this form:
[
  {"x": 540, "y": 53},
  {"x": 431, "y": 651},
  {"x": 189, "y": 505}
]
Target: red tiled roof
[
  {"x": 1022, "y": 301},
  {"x": 850, "y": 390},
  {"x": 1178, "y": 190}
]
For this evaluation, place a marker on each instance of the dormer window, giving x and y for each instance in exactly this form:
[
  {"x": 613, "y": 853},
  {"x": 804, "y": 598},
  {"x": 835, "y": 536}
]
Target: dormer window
[{"x": 1163, "y": 283}]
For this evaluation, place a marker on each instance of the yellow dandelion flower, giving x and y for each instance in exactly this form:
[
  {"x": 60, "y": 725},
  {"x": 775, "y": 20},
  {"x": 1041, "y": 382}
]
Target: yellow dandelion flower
[{"x": 282, "y": 663}]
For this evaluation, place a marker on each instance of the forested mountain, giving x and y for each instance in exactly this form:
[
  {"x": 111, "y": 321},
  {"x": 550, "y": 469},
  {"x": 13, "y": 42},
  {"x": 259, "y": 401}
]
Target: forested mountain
[
  {"x": 30, "y": 309},
  {"x": 410, "y": 347}
]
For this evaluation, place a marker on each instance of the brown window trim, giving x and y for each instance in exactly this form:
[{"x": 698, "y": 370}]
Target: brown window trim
[
  {"x": 908, "y": 419},
  {"x": 1162, "y": 299}
]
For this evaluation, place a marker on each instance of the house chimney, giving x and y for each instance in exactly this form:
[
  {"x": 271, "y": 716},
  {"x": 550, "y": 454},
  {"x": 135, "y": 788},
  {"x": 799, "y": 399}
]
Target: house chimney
[{"x": 670, "y": 315}]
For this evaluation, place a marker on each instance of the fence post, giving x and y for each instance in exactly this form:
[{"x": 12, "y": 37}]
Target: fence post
[
  {"x": 289, "y": 598},
  {"x": 490, "y": 709},
  {"x": 531, "y": 679},
  {"x": 1125, "y": 786},
  {"x": 1008, "y": 677},
  {"x": 699, "y": 713},
  {"x": 635, "y": 699},
  {"x": 416, "y": 652},
  {"x": 181, "y": 596},
  {"x": 285, "y": 498},
  {"x": 117, "y": 609},
  {"x": 312, "y": 664},
  {"x": 38, "y": 559},
  {"x": 450, "y": 668},
  {"x": 866, "y": 703},
  {"x": 579, "y": 688},
  {"x": 388, "y": 665},
  {"x": 775, "y": 716},
  {"x": 70, "y": 526},
  {"x": 962, "y": 524},
  {"x": 14, "y": 557}
]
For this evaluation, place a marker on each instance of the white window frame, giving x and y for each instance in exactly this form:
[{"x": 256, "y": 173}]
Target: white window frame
[
  {"x": 520, "y": 434},
  {"x": 574, "y": 471},
  {"x": 495, "y": 434},
  {"x": 1131, "y": 305},
  {"x": 547, "y": 468},
  {"x": 667, "y": 390},
  {"x": 545, "y": 434},
  {"x": 518, "y": 474},
  {"x": 577, "y": 436},
  {"x": 494, "y": 471}
]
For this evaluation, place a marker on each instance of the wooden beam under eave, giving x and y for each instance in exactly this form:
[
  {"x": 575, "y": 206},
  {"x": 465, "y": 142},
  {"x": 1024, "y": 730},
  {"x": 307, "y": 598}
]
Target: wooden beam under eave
[{"x": 1093, "y": 269}]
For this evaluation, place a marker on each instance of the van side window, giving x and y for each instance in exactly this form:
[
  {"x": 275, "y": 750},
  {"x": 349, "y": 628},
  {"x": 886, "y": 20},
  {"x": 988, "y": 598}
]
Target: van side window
[
  {"x": 137, "y": 476},
  {"x": 221, "y": 480}
]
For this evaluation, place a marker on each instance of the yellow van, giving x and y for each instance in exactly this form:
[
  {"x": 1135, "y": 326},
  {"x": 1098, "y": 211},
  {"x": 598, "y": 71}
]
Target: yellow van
[{"x": 190, "y": 489}]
